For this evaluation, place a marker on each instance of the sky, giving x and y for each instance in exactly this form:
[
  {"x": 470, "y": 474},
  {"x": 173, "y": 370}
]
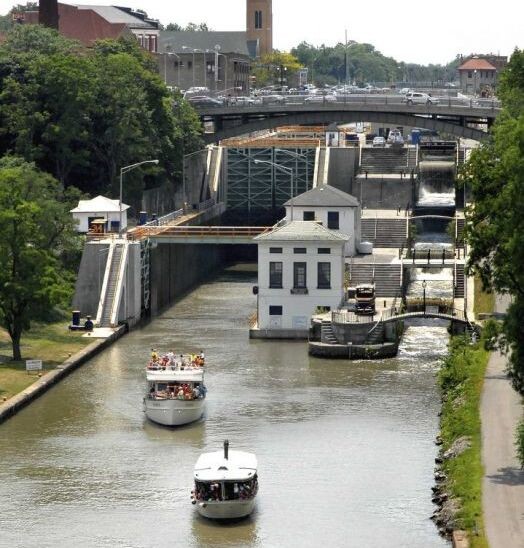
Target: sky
[{"x": 412, "y": 31}]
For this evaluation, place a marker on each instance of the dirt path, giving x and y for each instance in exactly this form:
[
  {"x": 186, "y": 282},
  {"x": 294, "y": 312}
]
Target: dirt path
[{"x": 503, "y": 485}]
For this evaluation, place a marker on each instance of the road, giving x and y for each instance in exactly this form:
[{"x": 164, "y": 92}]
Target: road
[{"x": 503, "y": 485}]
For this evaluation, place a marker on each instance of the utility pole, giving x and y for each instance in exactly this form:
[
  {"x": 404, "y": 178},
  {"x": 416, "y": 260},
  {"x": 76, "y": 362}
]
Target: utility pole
[
  {"x": 48, "y": 13},
  {"x": 346, "y": 56}
]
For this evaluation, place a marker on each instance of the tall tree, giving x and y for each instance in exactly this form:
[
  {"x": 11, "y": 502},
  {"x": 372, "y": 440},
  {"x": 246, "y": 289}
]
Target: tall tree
[
  {"x": 35, "y": 227},
  {"x": 495, "y": 223}
]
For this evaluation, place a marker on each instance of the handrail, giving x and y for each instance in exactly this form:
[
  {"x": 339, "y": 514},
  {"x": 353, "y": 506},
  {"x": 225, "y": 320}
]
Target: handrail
[{"x": 165, "y": 219}]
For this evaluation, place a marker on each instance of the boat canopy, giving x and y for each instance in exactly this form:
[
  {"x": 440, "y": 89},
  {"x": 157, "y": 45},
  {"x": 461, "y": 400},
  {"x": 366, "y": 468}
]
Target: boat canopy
[
  {"x": 176, "y": 375},
  {"x": 239, "y": 466}
]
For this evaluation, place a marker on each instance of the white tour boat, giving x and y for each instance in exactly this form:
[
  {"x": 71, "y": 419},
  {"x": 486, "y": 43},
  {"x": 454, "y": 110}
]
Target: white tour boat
[
  {"x": 176, "y": 391},
  {"x": 226, "y": 484}
]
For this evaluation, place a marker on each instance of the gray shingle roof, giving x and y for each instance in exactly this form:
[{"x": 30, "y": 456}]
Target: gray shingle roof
[
  {"x": 325, "y": 195},
  {"x": 302, "y": 231},
  {"x": 113, "y": 14},
  {"x": 229, "y": 42}
]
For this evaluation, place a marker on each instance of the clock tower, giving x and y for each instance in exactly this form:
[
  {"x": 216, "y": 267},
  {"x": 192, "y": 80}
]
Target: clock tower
[{"x": 259, "y": 24}]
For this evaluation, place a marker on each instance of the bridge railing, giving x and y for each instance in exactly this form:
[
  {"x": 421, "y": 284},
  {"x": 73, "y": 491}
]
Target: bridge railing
[
  {"x": 365, "y": 99},
  {"x": 202, "y": 231},
  {"x": 165, "y": 219}
]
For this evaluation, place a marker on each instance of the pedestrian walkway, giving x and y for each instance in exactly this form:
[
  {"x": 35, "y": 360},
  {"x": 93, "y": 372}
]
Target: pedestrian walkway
[{"x": 503, "y": 484}]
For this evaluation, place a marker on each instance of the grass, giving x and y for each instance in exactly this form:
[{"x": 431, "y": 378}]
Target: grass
[
  {"x": 484, "y": 303},
  {"x": 461, "y": 378},
  {"x": 52, "y": 343}
]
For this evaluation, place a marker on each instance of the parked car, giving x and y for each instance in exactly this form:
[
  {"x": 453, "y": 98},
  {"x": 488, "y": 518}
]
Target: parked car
[
  {"x": 395, "y": 138},
  {"x": 419, "y": 98},
  {"x": 379, "y": 141},
  {"x": 321, "y": 99},
  {"x": 205, "y": 101}
]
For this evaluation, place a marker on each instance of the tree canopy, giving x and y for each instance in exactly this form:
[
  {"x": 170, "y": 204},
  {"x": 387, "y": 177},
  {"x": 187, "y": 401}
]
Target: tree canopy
[
  {"x": 495, "y": 224},
  {"x": 275, "y": 68},
  {"x": 81, "y": 115},
  {"x": 36, "y": 229}
]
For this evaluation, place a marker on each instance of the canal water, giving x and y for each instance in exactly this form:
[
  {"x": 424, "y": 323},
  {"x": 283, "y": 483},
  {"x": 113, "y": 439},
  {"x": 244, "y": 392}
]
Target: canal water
[{"x": 345, "y": 449}]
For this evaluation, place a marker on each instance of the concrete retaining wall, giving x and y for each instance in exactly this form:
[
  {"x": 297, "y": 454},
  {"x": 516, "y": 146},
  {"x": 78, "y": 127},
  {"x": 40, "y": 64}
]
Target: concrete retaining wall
[
  {"x": 353, "y": 351},
  {"x": 299, "y": 334},
  {"x": 383, "y": 193},
  {"x": 43, "y": 384},
  {"x": 342, "y": 168}
]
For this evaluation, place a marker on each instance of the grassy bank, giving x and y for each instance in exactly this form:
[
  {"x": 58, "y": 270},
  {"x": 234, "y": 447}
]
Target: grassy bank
[
  {"x": 51, "y": 343},
  {"x": 484, "y": 302},
  {"x": 461, "y": 379}
]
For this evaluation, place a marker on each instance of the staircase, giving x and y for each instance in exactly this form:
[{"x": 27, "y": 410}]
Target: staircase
[
  {"x": 389, "y": 232},
  {"x": 376, "y": 334},
  {"x": 459, "y": 282},
  {"x": 384, "y": 160},
  {"x": 411, "y": 159},
  {"x": 105, "y": 318},
  {"x": 321, "y": 171},
  {"x": 460, "y": 231},
  {"x": 387, "y": 277},
  {"x": 326, "y": 333}
]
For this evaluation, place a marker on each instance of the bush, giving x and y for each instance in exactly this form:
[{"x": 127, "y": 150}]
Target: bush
[
  {"x": 490, "y": 334},
  {"x": 519, "y": 442}
]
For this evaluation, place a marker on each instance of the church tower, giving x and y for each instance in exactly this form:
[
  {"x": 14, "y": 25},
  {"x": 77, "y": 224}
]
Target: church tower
[{"x": 259, "y": 24}]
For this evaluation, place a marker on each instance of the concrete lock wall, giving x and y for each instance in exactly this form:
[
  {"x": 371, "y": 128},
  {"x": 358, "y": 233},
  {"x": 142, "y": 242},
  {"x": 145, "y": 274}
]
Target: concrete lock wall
[
  {"x": 176, "y": 268},
  {"x": 90, "y": 278},
  {"x": 383, "y": 193},
  {"x": 342, "y": 168}
]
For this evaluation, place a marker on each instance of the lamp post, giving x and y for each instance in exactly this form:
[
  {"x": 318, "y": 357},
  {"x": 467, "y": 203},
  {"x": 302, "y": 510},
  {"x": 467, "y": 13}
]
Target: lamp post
[
  {"x": 123, "y": 170},
  {"x": 424, "y": 283},
  {"x": 166, "y": 55},
  {"x": 285, "y": 170}
]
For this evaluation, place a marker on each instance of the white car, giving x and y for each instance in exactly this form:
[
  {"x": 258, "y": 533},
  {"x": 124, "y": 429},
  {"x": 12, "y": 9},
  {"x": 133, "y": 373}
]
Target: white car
[
  {"x": 379, "y": 141},
  {"x": 321, "y": 99},
  {"x": 419, "y": 98}
]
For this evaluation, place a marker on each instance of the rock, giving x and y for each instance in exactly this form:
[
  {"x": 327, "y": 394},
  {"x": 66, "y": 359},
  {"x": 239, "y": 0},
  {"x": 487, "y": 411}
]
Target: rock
[
  {"x": 438, "y": 460},
  {"x": 457, "y": 447}
]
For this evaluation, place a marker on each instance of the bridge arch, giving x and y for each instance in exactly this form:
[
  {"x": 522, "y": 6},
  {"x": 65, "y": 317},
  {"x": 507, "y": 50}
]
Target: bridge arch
[{"x": 343, "y": 116}]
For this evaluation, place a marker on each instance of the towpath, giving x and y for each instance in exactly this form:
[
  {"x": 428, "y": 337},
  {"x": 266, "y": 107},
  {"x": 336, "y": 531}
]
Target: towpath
[{"x": 503, "y": 484}]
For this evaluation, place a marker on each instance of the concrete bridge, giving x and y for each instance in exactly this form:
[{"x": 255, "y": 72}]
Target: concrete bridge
[
  {"x": 451, "y": 315},
  {"x": 455, "y": 116}
]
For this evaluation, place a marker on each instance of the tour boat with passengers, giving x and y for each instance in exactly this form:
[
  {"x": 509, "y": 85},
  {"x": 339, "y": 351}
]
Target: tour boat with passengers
[
  {"x": 176, "y": 392},
  {"x": 226, "y": 484}
]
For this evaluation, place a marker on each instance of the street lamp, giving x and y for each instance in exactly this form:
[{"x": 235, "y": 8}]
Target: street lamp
[
  {"x": 424, "y": 284},
  {"x": 166, "y": 55},
  {"x": 123, "y": 170},
  {"x": 285, "y": 170}
]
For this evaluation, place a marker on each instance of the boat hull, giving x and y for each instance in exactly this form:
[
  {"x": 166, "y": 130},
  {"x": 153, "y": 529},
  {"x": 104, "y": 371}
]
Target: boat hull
[
  {"x": 229, "y": 509},
  {"x": 174, "y": 412}
]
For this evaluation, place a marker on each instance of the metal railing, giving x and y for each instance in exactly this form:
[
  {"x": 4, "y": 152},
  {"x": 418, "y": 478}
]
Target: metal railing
[
  {"x": 200, "y": 231},
  {"x": 345, "y": 316},
  {"x": 165, "y": 219}
]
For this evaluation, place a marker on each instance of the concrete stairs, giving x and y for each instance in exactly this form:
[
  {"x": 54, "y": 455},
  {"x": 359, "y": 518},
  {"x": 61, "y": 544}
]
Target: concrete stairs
[
  {"x": 386, "y": 277},
  {"x": 384, "y": 160},
  {"x": 460, "y": 231},
  {"x": 389, "y": 232},
  {"x": 376, "y": 334},
  {"x": 105, "y": 320},
  {"x": 459, "y": 282},
  {"x": 326, "y": 333}
]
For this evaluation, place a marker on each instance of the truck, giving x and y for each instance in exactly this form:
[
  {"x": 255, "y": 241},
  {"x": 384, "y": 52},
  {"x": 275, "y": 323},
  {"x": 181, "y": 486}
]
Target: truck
[{"x": 365, "y": 299}]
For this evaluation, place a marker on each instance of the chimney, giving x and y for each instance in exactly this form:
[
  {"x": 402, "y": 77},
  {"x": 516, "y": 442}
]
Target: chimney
[{"x": 48, "y": 13}]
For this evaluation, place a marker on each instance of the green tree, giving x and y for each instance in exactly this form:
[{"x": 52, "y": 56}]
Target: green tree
[
  {"x": 275, "y": 67},
  {"x": 35, "y": 228},
  {"x": 495, "y": 224}
]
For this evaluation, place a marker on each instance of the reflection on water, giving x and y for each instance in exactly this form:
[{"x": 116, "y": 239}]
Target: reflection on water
[{"x": 345, "y": 449}]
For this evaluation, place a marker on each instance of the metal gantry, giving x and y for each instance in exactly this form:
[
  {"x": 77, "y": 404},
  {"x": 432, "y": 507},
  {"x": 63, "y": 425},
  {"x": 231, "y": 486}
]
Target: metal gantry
[{"x": 255, "y": 186}]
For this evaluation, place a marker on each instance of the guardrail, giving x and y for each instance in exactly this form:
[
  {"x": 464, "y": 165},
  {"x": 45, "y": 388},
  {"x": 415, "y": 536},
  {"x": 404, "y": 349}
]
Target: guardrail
[
  {"x": 343, "y": 316},
  {"x": 365, "y": 99},
  {"x": 200, "y": 231},
  {"x": 165, "y": 219}
]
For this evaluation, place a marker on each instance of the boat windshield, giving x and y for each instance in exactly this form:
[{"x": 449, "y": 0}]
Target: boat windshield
[
  {"x": 176, "y": 391},
  {"x": 364, "y": 292},
  {"x": 226, "y": 490}
]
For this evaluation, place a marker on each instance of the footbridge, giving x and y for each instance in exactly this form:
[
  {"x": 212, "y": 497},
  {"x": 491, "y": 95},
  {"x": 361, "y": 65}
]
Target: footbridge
[
  {"x": 171, "y": 234},
  {"x": 459, "y": 117}
]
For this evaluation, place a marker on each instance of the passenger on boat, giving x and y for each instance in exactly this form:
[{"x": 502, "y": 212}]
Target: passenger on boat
[{"x": 154, "y": 355}]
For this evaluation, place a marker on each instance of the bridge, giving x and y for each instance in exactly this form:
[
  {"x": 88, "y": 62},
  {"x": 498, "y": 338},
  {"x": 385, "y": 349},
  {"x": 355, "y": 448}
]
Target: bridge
[
  {"x": 173, "y": 234},
  {"x": 459, "y": 117}
]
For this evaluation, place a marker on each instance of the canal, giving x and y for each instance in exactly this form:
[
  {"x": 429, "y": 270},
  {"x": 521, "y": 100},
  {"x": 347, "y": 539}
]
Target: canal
[{"x": 345, "y": 449}]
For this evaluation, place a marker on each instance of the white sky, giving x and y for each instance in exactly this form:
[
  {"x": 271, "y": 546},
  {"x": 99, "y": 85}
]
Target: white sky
[{"x": 415, "y": 31}]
